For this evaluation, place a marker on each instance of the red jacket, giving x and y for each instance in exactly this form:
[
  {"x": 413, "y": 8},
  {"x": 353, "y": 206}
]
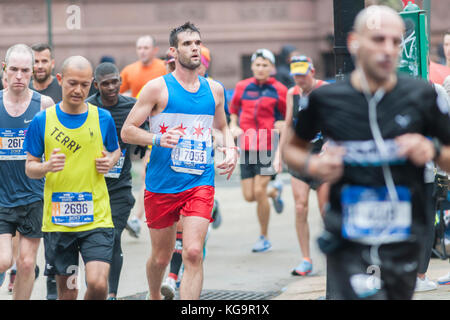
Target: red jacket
[{"x": 258, "y": 107}]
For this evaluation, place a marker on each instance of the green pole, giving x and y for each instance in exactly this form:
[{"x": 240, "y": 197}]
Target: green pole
[{"x": 49, "y": 23}]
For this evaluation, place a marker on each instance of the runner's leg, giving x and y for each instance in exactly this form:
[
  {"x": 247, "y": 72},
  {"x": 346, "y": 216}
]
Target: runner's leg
[
  {"x": 67, "y": 287},
  {"x": 323, "y": 192},
  {"x": 97, "y": 280},
  {"x": 162, "y": 242},
  {"x": 300, "y": 191},
  {"x": 194, "y": 233},
  {"x": 263, "y": 205},
  {"x": 6, "y": 252},
  {"x": 26, "y": 263}
]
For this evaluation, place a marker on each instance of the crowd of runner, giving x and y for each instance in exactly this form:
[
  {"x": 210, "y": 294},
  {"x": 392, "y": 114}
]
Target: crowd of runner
[{"x": 363, "y": 144}]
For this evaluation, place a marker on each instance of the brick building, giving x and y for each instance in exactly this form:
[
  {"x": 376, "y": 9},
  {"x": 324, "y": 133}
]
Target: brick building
[{"x": 232, "y": 29}]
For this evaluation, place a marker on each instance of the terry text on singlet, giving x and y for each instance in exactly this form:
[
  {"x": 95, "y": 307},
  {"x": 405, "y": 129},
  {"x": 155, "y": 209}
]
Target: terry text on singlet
[{"x": 65, "y": 140}]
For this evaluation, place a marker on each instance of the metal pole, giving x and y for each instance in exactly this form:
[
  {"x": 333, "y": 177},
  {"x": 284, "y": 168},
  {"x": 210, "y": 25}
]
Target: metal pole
[
  {"x": 49, "y": 23},
  {"x": 345, "y": 12}
]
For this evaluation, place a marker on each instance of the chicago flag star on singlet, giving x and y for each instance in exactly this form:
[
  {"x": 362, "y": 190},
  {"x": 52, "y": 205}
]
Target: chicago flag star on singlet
[
  {"x": 198, "y": 131},
  {"x": 163, "y": 128},
  {"x": 181, "y": 128}
]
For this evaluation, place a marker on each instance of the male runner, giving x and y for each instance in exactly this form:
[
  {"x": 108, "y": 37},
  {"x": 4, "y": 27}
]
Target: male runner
[
  {"x": 20, "y": 197},
  {"x": 183, "y": 108},
  {"x": 107, "y": 81},
  {"x": 257, "y": 104},
  {"x": 148, "y": 67},
  {"x": 43, "y": 80},
  {"x": 169, "y": 285},
  {"x": 376, "y": 128},
  {"x": 303, "y": 72},
  {"x": 79, "y": 142}
]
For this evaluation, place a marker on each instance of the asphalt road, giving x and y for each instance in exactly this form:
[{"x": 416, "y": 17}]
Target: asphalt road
[{"x": 229, "y": 263}]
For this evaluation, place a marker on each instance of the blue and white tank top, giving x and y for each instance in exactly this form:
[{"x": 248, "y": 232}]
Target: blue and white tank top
[
  {"x": 190, "y": 164},
  {"x": 16, "y": 188}
]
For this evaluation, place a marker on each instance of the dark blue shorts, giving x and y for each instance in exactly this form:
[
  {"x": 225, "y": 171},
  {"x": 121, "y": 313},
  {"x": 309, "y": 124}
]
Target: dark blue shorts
[{"x": 63, "y": 248}]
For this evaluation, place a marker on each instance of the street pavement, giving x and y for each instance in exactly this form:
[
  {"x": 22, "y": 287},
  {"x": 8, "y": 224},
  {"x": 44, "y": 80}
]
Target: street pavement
[{"x": 230, "y": 265}]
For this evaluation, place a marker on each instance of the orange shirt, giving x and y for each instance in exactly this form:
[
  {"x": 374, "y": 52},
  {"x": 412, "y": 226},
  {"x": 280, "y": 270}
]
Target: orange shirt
[{"x": 136, "y": 75}]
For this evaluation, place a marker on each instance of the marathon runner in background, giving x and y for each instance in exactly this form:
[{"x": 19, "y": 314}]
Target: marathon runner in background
[
  {"x": 303, "y": 72},
  {"x": 257, "y": 104}
]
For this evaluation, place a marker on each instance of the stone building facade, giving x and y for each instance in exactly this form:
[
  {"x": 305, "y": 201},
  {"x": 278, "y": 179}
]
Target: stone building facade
[{"x": 231, "y": 29}]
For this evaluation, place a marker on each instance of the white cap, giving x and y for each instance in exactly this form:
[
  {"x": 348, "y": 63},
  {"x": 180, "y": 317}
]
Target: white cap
[{"x": 264, "y": 53}]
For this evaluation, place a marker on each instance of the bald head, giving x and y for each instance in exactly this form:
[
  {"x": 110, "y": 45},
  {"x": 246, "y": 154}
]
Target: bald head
[
  {"x": 19, "y": 49},
  {"x": 76, "y": 63},
  {"x": 372, "y": 18},
  {"x": 75, "y": 80}
]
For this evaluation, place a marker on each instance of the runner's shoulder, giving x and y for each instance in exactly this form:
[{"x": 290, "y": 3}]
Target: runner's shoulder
[
  {"x": 152, "y": 88},
  {"x": 215, "y": 85},
  {"x": 410, "y": 84}
]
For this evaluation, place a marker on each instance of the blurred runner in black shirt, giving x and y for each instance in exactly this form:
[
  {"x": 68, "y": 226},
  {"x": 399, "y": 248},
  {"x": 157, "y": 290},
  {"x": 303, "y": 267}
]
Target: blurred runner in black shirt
[{"x": 377, "y": 124}]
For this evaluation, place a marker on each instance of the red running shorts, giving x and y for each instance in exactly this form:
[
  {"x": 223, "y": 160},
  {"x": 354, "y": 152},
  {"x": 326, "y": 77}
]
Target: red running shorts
[{"x": 164, "y": 209}]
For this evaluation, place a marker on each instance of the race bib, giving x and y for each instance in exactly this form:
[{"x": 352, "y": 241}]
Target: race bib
[
  {"x": 11, "y": 147},
  {"x": 117, "y": 169},
  {"x": 190, "y": 156},
  {"x": 370, "y": 217},
  {"x": 72, "y": 209}
]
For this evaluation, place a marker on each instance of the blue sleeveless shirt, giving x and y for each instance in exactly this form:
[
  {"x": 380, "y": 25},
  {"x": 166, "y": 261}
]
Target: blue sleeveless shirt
[
  {"x": 190, "y": 164},
  {"x": 16, "y": 189}
]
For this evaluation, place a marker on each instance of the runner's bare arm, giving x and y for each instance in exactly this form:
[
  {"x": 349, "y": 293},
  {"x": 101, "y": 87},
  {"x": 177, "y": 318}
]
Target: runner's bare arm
[
  {"x": 220, "y": 123},
  {"x": 153, "y": 94},
  {"x": 36, "y": 169},
  {"x": 283, "y": 132},
  {"x": 46, "y": 102},
  {"x": 327, "y": 167}
]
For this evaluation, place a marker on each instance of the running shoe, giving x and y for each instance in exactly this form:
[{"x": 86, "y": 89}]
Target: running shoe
[
  {"x": 262, "y": 245},
  {"x": 168, "y": 288},
  {"x": 2, "y": 278},
  {"x": 216, "y": 215},
  {"x": 425, "y": 285},
  {"x": 134, "y": 227},
  {"x": 111, "y": 298},
  {"x": 444, "y": 280},
  {"x": 303, "y": 269},
  {"x": 278, "y": 203},
  {"x": 12, "y": 278},
  {"x": 52, "y": 292}
]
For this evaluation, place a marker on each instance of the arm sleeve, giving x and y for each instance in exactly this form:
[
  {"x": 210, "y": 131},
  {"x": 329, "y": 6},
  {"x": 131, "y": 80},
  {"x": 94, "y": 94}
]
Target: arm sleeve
[
  {"x": 307, "y": 125},
  {"x": 109, "y": 133},
  {"x": 34, "y": 137}
]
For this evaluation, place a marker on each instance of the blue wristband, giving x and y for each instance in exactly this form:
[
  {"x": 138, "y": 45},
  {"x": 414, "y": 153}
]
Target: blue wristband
[{"x": 158, "y": 140}]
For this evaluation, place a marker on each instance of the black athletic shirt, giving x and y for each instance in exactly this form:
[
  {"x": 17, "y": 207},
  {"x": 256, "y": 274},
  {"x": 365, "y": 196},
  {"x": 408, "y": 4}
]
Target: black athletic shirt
[
  {"x": 340, "y": 112},
  {"x": 119, "y": 112},
  {"x": 54, "y": 90}
]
